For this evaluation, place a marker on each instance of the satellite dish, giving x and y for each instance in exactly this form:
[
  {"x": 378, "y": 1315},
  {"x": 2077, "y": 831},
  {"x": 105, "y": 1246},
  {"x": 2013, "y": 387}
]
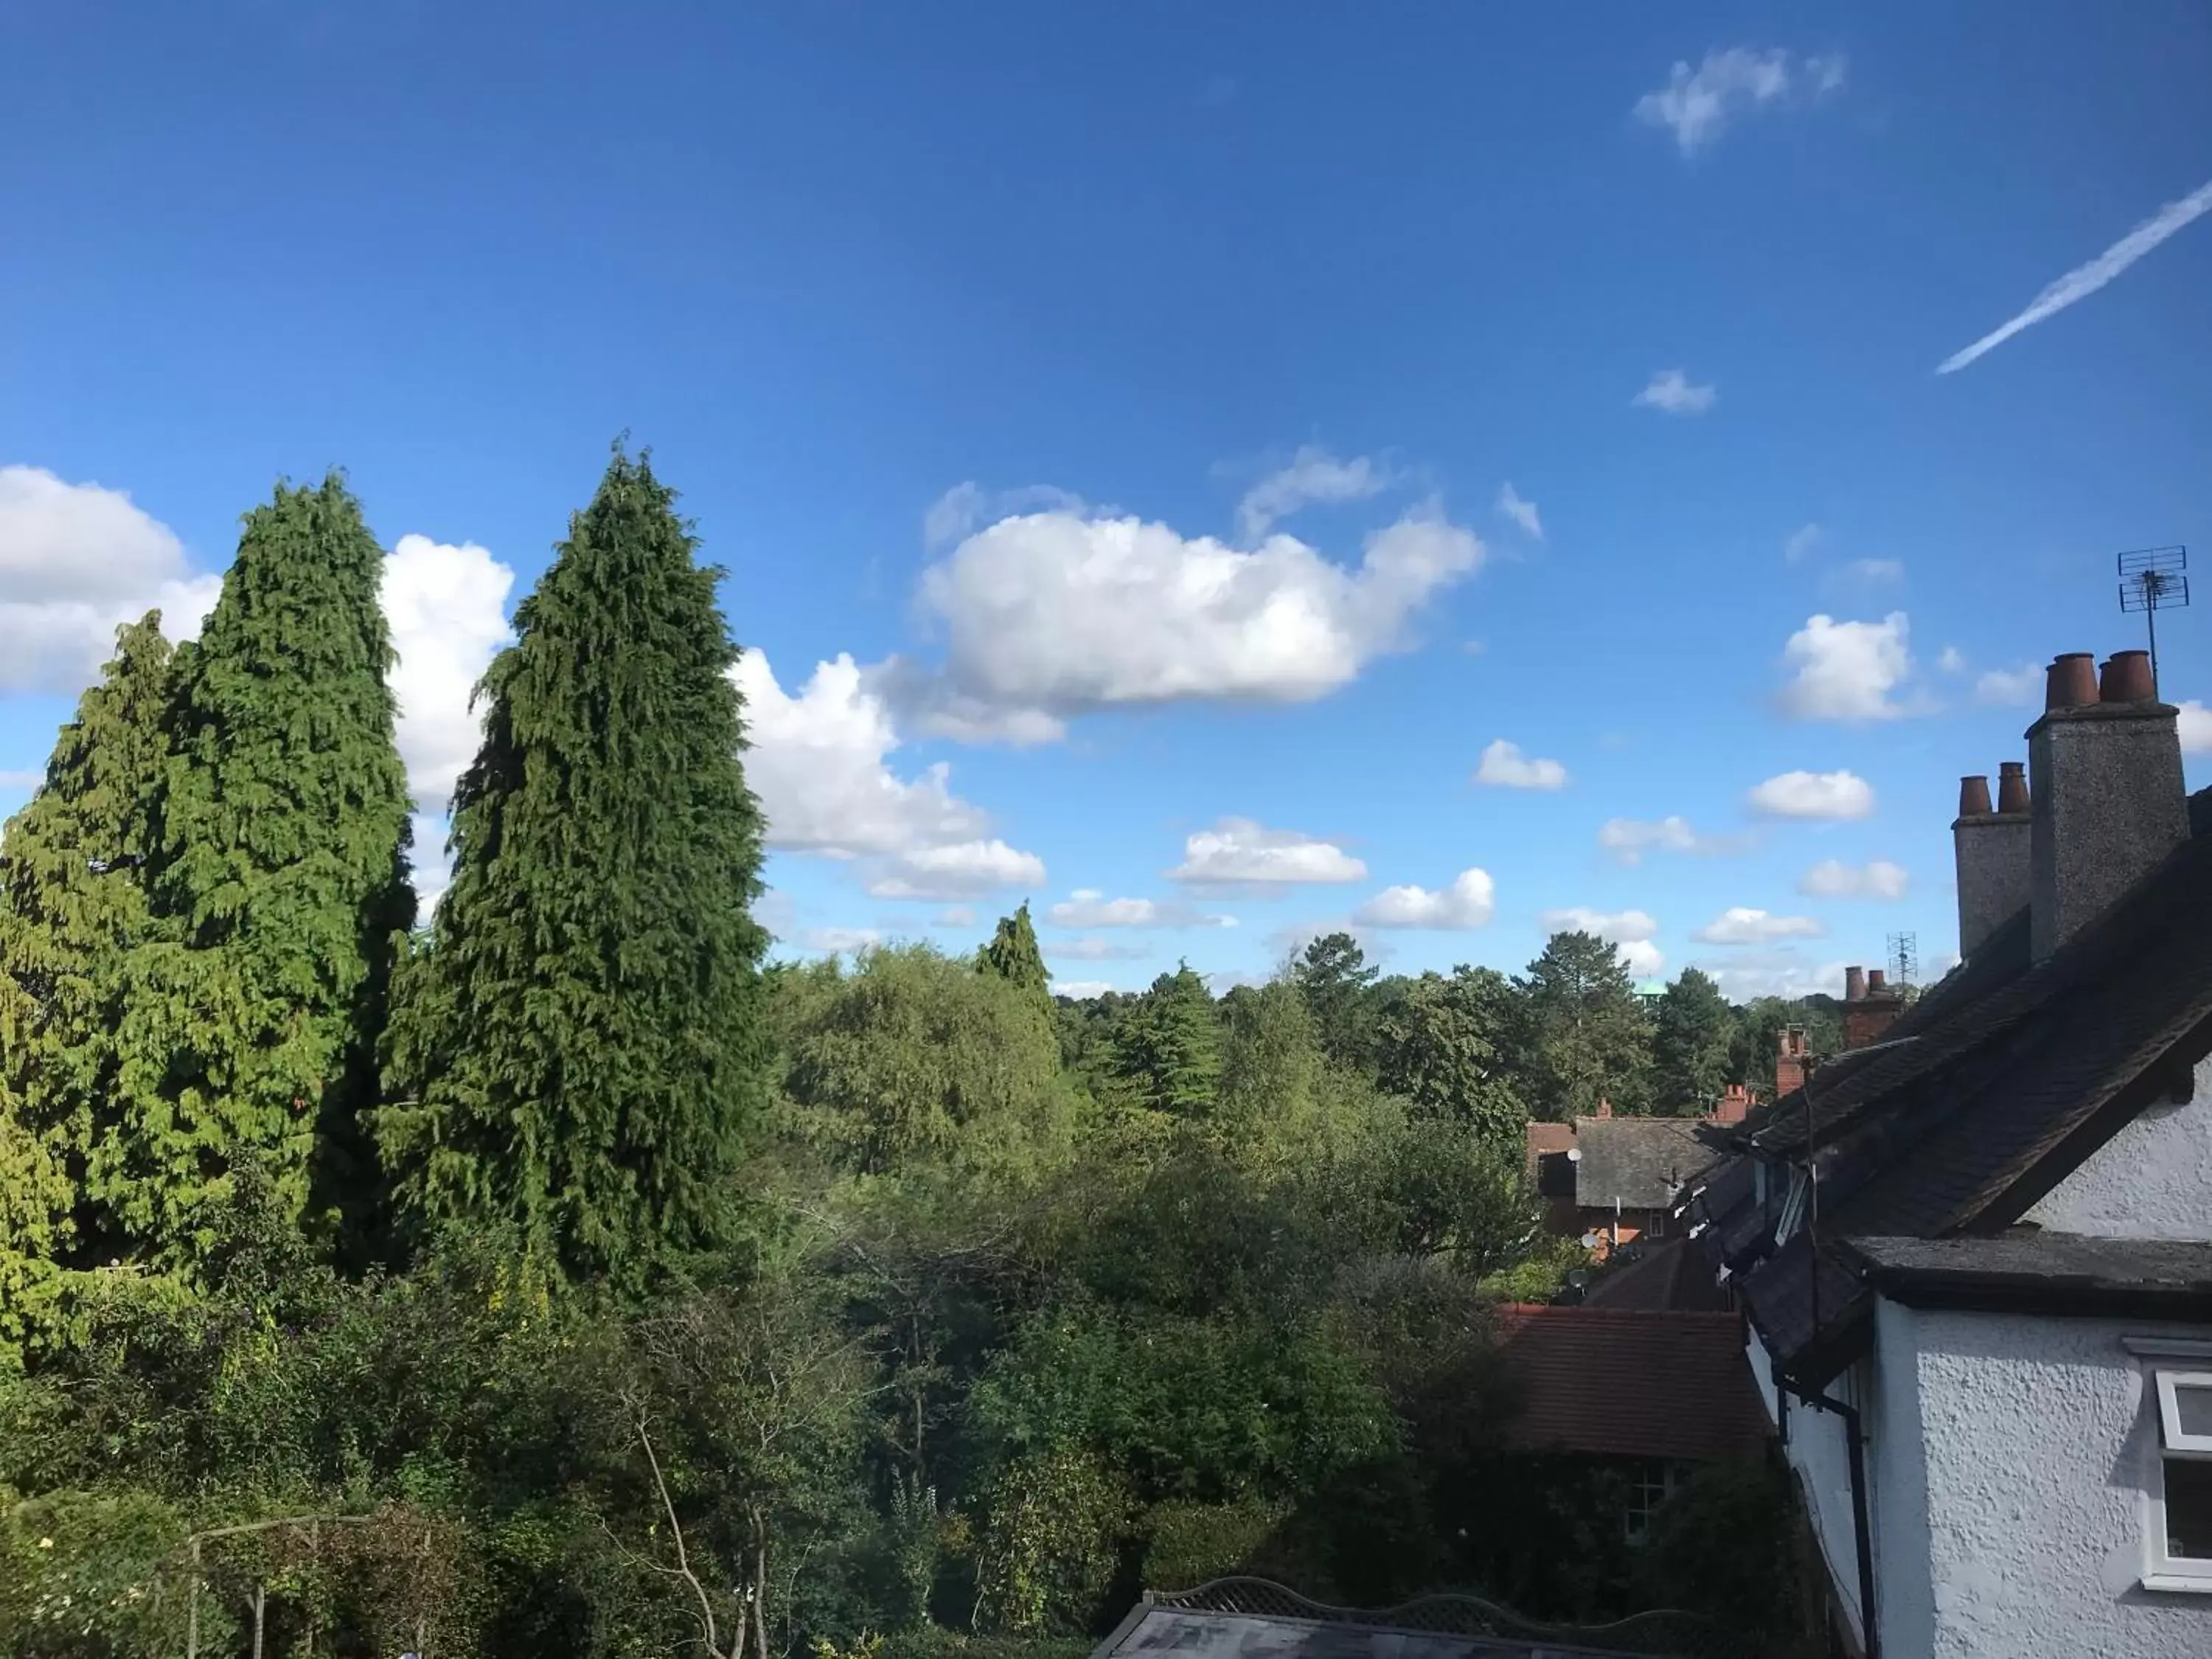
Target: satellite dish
[
  {"x": 1574, "y": 1154},
  {"x": 1578, "y": 1277},
  {"x": 1589, "y": 1243}
]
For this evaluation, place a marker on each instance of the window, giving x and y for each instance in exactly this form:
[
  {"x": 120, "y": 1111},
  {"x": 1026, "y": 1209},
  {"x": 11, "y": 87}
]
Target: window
[
  {"x": 2178, "y": 1530},
  {"x": 1649, "y": 1486}
]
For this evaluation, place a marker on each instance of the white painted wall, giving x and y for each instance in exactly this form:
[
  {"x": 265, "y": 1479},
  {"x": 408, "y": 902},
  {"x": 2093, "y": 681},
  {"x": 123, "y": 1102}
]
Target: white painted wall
[
  {"x": 2149, "y": 1180},
  {"x": 2011, "y": 1527},
  {"x": 1819, "y": 1450}
]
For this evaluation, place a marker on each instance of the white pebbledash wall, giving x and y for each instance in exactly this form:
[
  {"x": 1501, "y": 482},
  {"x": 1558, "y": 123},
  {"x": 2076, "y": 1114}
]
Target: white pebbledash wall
[
  {"x": 2152, "y": 1180},
  {"x": 1818, "y": 1452}
]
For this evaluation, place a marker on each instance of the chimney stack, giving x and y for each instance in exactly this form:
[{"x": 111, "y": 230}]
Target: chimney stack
[
  {"x": 1733, "y": 1105},
  {"x": 2108, "y": 802},
  {"x": 1991, "y": 847},
  {"x": 1789, "y": 1061},
  {"x": 1871, "y": 1005}
]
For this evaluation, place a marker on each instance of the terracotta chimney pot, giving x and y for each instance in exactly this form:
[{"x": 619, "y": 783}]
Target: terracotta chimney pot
[
  {"x": 2070, "y": 681},
  {"x": 1877, "y": 981},
  {"x": 1973, "y": 798},
  {"x": 2127, "y": 678},
  {"x": 2012, "y": 786}
]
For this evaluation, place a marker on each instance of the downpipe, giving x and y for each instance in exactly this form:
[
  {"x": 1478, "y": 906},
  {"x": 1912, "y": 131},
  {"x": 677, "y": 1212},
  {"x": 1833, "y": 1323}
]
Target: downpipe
[{"x": 1861, "y": 1531}]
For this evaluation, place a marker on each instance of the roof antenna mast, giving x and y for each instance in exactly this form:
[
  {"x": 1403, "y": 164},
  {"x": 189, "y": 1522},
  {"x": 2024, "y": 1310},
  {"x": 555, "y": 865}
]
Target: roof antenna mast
[{"x": 2152, "y": 579}]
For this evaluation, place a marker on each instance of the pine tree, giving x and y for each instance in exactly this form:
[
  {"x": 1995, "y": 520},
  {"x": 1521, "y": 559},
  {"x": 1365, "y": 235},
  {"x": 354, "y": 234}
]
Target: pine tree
[
  {"x": 72, "y": 908},
  {"x": 578, "y": 1053},
  {"x": 1693, "y": 1029},
  {"x": 1169, "y": 1046},
  {"x": 279, "y": 882},
  {"x": 1013, "y": 956},
  {"x": 1586, "y": 1039}
]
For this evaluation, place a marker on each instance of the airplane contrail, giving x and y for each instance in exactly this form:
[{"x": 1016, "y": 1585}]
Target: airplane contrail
[{"x": 2084, "y": 279}]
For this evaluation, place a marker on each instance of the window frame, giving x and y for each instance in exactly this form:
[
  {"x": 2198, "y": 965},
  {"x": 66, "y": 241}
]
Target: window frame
[{"x": 2166, "y": 1363}]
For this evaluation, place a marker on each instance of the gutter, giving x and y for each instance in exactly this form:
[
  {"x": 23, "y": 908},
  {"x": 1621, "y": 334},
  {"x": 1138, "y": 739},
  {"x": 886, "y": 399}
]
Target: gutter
[{"x": 1861, "y": 1531}]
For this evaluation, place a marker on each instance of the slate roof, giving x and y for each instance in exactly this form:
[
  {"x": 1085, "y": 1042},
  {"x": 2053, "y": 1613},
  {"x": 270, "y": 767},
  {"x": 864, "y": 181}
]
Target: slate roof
[
  {"x": 1631, "y": 1383},
  {"x": 1669, "y": 1275},
  {"x": 1641, "y": 1162},
  {"x": 2034, "y": 1268},
  {"x": 1981, "y": 1097}
]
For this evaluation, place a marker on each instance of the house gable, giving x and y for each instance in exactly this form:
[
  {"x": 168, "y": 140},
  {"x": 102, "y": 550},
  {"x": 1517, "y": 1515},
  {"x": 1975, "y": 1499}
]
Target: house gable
[{"x": 2149, "y": 1180}]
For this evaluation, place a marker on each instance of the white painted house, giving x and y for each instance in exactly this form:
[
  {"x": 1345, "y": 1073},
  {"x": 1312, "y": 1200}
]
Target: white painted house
[{"x": 1975, "y": 1254}]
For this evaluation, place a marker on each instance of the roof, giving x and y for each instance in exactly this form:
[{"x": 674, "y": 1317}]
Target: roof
[
  {"x": 1659, "y": 1277},
  {"x": 1984, "y": 1095},
  {"x": 1245, "y": 1618},
  {"x": 2033, "y": 1270},
  {"x": 1631, "y": 1383},
  {"x": 1639, "y": 1162}
]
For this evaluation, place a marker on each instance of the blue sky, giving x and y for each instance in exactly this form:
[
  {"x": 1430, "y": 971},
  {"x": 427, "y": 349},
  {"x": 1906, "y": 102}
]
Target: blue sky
[{"x": 1121, "y": 401}]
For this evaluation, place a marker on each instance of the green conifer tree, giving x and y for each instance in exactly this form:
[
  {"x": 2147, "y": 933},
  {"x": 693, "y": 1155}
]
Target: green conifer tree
[
  {"x": 1167, "y": 1045},
  {"x": 279, "y": 883},
  {"x": 1013, "y": 956},
  {"x": 72, "y": 908},
  {"x": 578, "y": 1051}
]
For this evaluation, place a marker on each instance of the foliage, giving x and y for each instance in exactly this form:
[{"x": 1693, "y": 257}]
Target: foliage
[
  {"x": 1441, "y": 1045},
  {"x": 1693, "y": 1032},
  {"x": 1726, "y": 1544},
  {"x": 279, "y": 878},
  {"x": 1054, "y": 1539},
  {"x": 1013, "y": 956},
  {"x": 1188, "y": 1544},
  {"x": 1167, "y": 1046},
  {"x": 579, "y": 1050},
  {"x": 1585, "y": 1039},
  {"x": 1334, "y": 976}
]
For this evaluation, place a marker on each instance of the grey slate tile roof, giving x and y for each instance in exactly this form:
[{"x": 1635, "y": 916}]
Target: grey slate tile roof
[{"x": 1642, "y": 1161}]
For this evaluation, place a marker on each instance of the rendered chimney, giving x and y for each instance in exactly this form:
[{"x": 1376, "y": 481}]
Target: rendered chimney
[
  {"x": 1992, "y": 848},
  {"x": 2108, "y": 801}
]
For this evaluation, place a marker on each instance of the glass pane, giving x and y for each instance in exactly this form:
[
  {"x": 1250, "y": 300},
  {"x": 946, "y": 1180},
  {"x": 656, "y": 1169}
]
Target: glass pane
[
  {"x": 2192, "y": 1407},
  {"x": 2188, "y": 1508}
]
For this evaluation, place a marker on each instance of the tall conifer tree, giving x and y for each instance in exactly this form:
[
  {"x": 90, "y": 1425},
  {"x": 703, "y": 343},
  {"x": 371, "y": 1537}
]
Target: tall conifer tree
[
  {"x": 72, "y": 908},
  {"x": 578, "y": 1052},
  {"x": 1013, "y": 956},
  {"x": 279, "y": 879}
]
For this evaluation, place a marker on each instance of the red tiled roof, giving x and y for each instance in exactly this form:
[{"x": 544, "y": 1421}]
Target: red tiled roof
[{"x": 1632, "y": 1382}]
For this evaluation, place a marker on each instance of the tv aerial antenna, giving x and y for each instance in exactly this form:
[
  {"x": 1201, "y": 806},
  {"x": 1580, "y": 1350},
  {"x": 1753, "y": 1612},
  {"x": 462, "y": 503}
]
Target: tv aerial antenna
[
  {"x": 1904, "y": 959},
  {"x": 2152, "y": 579}
]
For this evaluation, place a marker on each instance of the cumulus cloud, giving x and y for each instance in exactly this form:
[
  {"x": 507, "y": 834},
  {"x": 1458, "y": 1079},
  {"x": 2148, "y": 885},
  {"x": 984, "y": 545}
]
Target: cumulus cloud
[
  {"x": 1238, "y": 852},
  {"x": 1522, "y": 512},
  {"x": 1953, "y": 661},
  {"x": 960, "y": 509},
  {"x": 1641, "y": 958},
  {"x": 1091, "y": 948},
  {"x": 1621, "y": 927},
  {"x": 1738, "y": 925},
  {"x": 1877, "y": 878},
  {"x": 1697, "y": 105},
  {"x": 2195, "y": 725},
  {"x": 1779, "y": 972},
  {"x": 2010, "y": 688},
  {"x": 1047, "y": 615},
  {"x": 968, "y": 869},
  {"x": 1672, "y": 391},
  {"x": 1314, "y": 476},
  {"x": 1825, "y": 795},
  {"x": 1086, "y": 906},
  {"x": 1629, "y": 839},
  {"x": 1469, "y": 902},
  {"x": 819, "y": 762},
  {"x": 1503, "y": 765},
  {"x": 1081, "y": 990},
  {"x": 446, "y": 608},
  {"x": 1847, "y": 671},
  {"x": 76, "y": 560},
  {"x": 1801, "y": 542}
]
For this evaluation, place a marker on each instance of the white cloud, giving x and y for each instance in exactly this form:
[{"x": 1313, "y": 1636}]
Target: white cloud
[
  {"x": 446, "y": 608},
  {"x": 1237, "y": 851},
  {"x": 1953, "y": 661},
  {"x": 954, "y": 915},
  {"x": 1827, "y": 795},
  {"x": 960, "y": 509},
  {"x": 1621, "y": 927},
  {"x": 2084, "y": 279},
  {"x": 1738, "y": 925},
  {"x": 1082, "y": 990},
  {"x": 1783, "y": 972},
  {"x": 1314, "y": 476},
  {"x": 1522, "y": 512},
  {"x": 1641, "y": 958},
  {"x": 1670, "y": 390},
  {"x": 1469, "y": 902},
  {"x": 1093, "y": 948},
  {"x": 1877, "y": 878},
  {"x": 76, "y": 560},
  {"x": 1629, "y": 839},
  {"x": 1696, "y": 105},
  {"x": 1051, "y": 614},
  {"x": 1086, "y": 906},
  {"x": 838, "y": 941},
  {"x": 2010, "y": 688},
  {"x": 1876, "y": 571},
  {"x": 819, "y": 763},
  {"x": 1801, "y": 542},
  {"x": 1503, "y": 765},
  {"x": 968, "y": 869},
  {"x": 1847, "y": 671},
  {"x": 2195, "y": 725},
  {"x": 430, "y": 869}
]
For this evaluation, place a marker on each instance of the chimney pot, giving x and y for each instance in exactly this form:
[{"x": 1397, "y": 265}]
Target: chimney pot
[
  {"x": 2012, "y": 786},
  {"x": 2070, "y": 681},
  {"x": 1973, "y": 798},
  {"x": 2127, "y": 678},
  {"x": 1877, "y": 980},
  {"x": 1854, "y": 984}
]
